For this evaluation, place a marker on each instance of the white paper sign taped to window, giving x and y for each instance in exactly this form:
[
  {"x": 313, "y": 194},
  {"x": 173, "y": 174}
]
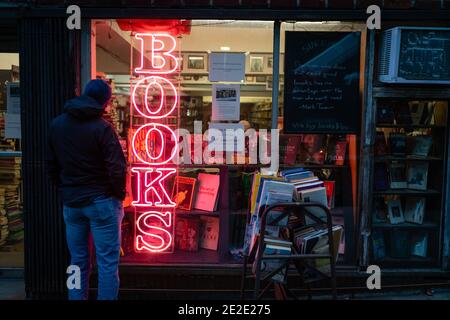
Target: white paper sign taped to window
[
  {"x": 12, "y": 126},
  {"x": 13, "y": 98},
  {"x": 226, "y": 67},
  {"x": 225, "y": 102}
]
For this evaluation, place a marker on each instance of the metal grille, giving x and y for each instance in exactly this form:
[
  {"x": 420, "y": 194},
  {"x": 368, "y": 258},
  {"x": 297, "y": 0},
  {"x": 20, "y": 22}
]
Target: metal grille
[
  {"x": 385, "y": 53},
  {"x": 49, "y": 60}
]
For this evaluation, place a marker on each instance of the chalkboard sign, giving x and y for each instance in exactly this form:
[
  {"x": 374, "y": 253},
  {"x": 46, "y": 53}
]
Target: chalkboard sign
[
  {"x": 321, "y": 91},
  {"x": 424, "y": 54}
]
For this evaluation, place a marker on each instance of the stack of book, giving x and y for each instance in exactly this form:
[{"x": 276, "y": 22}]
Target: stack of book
[
  {"x": 4, "y": 231},
  {"x": 2, "y": 125},
  {"x": 10, "y": 170},
  {"x": 14, "y": 214},
  {"x": 310, "y": 240},
  {"x": 291, "y": 185},
  {"x": 10, "y": 206},
  {"x": 309, "y": 188},
  {"x": 313, "y": 149},
  {"x": 197, "y": 232},
  {"x": 275, "y": 246}
]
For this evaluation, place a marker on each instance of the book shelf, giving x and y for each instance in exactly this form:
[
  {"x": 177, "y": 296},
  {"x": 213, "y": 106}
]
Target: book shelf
[
  {"x": 413, "y": 185},
  {"x": 342, "y": 173},
  {"x": 200, "y": 256}
]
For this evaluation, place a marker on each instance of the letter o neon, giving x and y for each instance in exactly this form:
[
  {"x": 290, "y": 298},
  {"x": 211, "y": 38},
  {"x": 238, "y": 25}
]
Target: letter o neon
[
  {"x": 162, "y": 133},
  {"x": 150, "y": 82}
]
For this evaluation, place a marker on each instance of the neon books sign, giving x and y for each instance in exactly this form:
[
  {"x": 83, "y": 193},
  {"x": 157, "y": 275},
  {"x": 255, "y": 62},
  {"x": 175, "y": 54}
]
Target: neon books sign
[{"x": 154, "y": 143}]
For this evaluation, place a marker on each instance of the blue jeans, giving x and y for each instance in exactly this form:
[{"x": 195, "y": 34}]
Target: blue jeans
[{"x": 103, "y": 219}]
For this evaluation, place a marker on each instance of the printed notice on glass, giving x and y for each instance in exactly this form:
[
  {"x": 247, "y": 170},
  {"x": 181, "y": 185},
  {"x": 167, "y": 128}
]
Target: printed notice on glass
[
  {"x": 226, "y": 67},
  {"x": 13, "y": 98},
  {"x": 12, "y": 126},
  {"x": 225, "y": 102}
]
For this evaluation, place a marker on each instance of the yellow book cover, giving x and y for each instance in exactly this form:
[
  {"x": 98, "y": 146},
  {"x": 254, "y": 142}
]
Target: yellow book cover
[{"x": 255, "y": 187}]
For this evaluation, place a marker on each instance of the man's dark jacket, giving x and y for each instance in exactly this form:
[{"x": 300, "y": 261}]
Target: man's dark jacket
[{"x": 85, "y": 158}]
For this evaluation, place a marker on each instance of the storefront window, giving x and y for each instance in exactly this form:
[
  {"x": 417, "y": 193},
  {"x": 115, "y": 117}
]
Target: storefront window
[
  {"x": 203, "y": 231},
  {"x": 409, "y": 150},
  {"x": 203, "y": 98},
  {"x": 321, "y": 67},
  {"x": 11, "y": 217}
]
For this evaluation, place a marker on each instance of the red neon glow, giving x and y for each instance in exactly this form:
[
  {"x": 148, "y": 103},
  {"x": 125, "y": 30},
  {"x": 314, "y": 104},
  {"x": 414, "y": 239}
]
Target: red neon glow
[
  {"x": 154, "y": 144},
  {"x": 150, "y": 186},
  {"x": 152, "y": 82},
  {"x": 152, "y": 152},
  {"x": 159, "y": 55},
  {"x": 149, "y": 225}
]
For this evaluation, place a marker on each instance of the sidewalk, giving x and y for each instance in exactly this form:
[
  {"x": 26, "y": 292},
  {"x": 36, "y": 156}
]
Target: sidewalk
[{"x": 14, "y": 289}]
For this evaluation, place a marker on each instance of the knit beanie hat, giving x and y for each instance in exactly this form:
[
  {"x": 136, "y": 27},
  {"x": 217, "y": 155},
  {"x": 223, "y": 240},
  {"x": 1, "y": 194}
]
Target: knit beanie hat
[{"x": 99, "y": 90}]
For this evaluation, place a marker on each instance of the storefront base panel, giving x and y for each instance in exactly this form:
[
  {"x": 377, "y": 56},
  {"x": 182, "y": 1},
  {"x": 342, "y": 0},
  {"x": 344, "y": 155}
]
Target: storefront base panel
[{"x": 224, "y": 281}]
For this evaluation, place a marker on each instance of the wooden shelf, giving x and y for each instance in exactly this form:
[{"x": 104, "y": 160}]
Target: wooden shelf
[
  {"x": 435, "y": 92},
  {"x": 10, "y": 153},
  {"x": 407, "y": 192},
  {"x": 410, "y": 126},
  {"x": 195, "y": 212},
  {"x": 178, "y": 257},
  {"x": 406, "y": 225},
  {"x": 412, "y": 259},
  {"x": 312, "y": 166},
  {"x": 405, "y": 158}
]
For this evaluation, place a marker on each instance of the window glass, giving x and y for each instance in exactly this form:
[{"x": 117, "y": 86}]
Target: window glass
[{"x": 11, "y": 215}]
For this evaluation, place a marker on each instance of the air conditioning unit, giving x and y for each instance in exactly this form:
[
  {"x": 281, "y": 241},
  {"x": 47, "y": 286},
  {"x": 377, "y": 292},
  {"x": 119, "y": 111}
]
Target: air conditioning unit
[{"x": 415, "y": 55}]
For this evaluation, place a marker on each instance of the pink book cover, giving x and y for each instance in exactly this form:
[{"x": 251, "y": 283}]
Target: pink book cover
[
  {"x": 329, "y": 188},
  {"x": 291, "y": 150},
  {"x": 341, "y": 148},
  {"x": 207, "y": 192}
]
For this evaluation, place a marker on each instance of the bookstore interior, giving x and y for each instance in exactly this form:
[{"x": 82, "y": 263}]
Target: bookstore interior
[
  {"x": 219, "y": 74},
  {"x": 11, "y": 218}
]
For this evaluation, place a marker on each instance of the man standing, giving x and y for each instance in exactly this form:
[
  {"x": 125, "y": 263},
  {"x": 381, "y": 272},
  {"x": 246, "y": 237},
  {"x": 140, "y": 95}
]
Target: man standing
[{"x": 86, "y": 161}]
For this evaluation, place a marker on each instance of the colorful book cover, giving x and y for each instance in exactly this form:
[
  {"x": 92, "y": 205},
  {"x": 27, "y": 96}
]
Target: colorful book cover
[
  {"x": 399, "y": 244},
  {"x": 312, "y": 149},
  {"x": 385, "y": 114},
  {"x": 378, "y": 246},
  {"x": 402, "y": 114},
  {"x": 380, "y": 147},
  {"x": 209, "y": 237},
  {"x": 381, "y": 177},
  {"x": 258, "y": 195},
  {"x": 421, "y": 146},
  {"x": 329, "y": 188},
  {"x": 274, "y": 186},
  {"x": 269, "y": 265},
  {"x": 183, "y": 192},
  {"x": 397, "y": 143},
  {"x": 207, "y": 191},
  {"x": 285, "y": 172},
  {"x": 289, "y": 148},
  {"x": 315, "y": 195},
  {"x": 419, "y": 244},
  {"x": 341, "y": 149},
  {"x": 187, "y": 233}
]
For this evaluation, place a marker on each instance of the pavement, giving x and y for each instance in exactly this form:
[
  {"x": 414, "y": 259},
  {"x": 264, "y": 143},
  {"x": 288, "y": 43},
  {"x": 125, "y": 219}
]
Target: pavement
[{"x": 14, "y": 289}]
